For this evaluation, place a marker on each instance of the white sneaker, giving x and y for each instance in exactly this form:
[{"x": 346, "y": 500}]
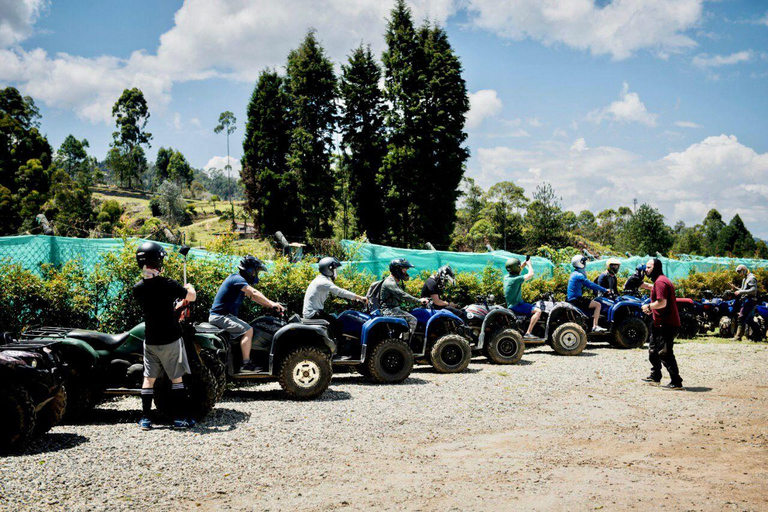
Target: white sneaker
[{"x": 599, "y": 329}]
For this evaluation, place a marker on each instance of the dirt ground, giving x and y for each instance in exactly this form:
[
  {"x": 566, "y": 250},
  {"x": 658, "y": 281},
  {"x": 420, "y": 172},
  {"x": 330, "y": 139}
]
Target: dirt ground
[{"x": 553, "y": 433}]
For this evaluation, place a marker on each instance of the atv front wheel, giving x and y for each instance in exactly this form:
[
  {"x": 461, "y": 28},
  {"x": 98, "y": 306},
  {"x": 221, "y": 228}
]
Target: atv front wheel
[
  {"x": 201, "y": 388},
  {"x": 569, "y": 339},
  {"x": 726, "y": 327},
  {"x": 505, "y": 347},
  {"x": 52, "y": 413},
  {"x": 305, "y": 373},
  {"x": 18, "y": 418},
  {"x": 632, "y": 332},
  {"x": 218, "y": 369},
  {"x": 390, "y": 361},
  {"x": 450, "y": 354}
]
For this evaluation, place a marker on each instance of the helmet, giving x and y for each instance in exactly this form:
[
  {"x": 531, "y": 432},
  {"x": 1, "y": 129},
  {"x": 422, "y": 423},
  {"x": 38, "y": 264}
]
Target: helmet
[
  {"x": 445, "y": 276},
  {"x": 612, "y": 264},
  {"x": 150, "y": 254},
  {"x": 399, "y": 268},
  {"x": 249, "y": 268},
  {"x": 640, "y": 269},
  {"x": 579, "y": 261},
  {"x": 513, "y": 266},
  {"x": 328, "y": 265},
  {"x": 742, "y": 269}
]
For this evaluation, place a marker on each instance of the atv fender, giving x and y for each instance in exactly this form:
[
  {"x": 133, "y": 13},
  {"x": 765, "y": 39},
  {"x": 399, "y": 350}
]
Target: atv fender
[
  {"x": 84, "y": 353},
  {"x": 313, "y": 332},
  {"x": 560, "y": 309},
  {"x": 494, "y": 316},
  {"x": 440, "y": 317},
  {"x": 624, "y": 305},
  {"x": 394, "y": 323}
]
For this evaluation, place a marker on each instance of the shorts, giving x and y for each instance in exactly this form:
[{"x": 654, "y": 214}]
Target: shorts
[
  {"x": 230, "y": 323},
  {"x": 522, "y": 308},
  {"x": 580, "y": 302},
  {"x": 171, "y": 358}
]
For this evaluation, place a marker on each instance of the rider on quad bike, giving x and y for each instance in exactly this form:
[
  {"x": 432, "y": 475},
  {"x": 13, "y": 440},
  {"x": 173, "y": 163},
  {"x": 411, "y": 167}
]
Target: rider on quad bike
[
  {"x": 576, "y": 283},
  {"x": 393, "y": 293},
  {"x": 164, "y": 350},
  {"x": 608, "y": 278},
  {"x": 231, "y": 293},
  {"x": 634, "y": 282},
  {"x": 435, "y": 285},
  {"x": 317, "y": 293}
]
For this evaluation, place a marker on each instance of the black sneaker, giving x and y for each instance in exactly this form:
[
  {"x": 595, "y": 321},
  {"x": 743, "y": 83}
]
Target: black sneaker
[
  {"x": 674, "y": 386},
  {"x": 249, "y": 367},
  {"x": 652, "y": 379}
]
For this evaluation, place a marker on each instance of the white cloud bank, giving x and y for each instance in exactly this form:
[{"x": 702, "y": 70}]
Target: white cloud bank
[
  {"x": 17, "y": 18},
  {"x": 628, "y": 109},
  {"x": 687, "y": 124},
  {"x": 715, "y": 61},
  {"x": 718, "y": 172},
  {"x": 482, "y": 105},
  {"x": 220, "y": 162}
]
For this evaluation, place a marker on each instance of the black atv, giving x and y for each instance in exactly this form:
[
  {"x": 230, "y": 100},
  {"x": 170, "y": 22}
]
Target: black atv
[
  {"x": 296, "y": 352},
  {"x": 33, "y": 398}
]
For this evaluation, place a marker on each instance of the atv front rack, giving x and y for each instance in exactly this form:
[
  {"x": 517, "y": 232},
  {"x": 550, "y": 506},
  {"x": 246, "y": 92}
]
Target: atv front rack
[{"x": 46, "y": 332}]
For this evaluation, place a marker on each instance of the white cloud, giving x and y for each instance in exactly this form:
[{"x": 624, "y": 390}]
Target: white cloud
[
  {"x": 618, "y": 29},
  {"x": 177, "y": 121},
  {"x": 259, "y": 34},
  {"x": 718, "y": 172},
  {"x": 687, "y": 124},
  {"x": 627, "y": 109},
  {"x": 482, "y": 105},
  {"x": 579, "y": 145},
  {"x": 17, "y": 18},
  {"x": 195, "y": 122},
  {"x": 535, "y": 122},
  {"x": 220, "y": 162},
  {"x": 712, "y": 61},
  {"x": 559, "y": 132}
]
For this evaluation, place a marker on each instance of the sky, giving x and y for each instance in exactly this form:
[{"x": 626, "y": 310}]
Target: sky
[{"x": 663, "y": 101}]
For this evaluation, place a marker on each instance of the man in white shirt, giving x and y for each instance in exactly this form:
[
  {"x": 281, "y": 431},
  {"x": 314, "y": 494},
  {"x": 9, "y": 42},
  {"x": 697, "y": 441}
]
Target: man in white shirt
[{"x": 318, "y": 291}]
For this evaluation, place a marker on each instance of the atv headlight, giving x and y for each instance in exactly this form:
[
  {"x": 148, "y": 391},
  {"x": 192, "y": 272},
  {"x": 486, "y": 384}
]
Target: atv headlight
[{"x": 470, "y": 316}]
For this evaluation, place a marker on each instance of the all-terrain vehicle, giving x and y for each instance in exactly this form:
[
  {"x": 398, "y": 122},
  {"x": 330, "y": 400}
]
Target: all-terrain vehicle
[
  {"x": 376, "y": 346},
  {"x": 442, "y": 340},
  {"x": 730, "y": 315},
  {"x": 33, "y": 398},
  {"x": 622, "y": 318},
  {"x": 494, "y": 331},
  {"x": 296, "y": 352}
]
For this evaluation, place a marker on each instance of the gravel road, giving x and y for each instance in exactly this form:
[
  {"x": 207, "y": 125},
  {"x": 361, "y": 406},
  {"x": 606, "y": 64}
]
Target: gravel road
[{"x": 552, "y": 433}]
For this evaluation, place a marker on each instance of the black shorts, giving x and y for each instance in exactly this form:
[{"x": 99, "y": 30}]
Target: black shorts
[{"x": 581, "y": 302}]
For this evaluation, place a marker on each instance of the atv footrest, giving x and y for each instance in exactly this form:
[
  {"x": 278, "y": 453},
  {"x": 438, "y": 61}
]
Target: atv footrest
[{"x": 122, "y": 391}]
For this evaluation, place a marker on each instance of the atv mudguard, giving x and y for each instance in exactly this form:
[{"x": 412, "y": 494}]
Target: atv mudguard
[
  {"x": 559, "y": 309},
  {"x": 399, "y": 324},
  {"x": 442, "y": 316},
  {"x": 308, "y": 330},
  {"x": 492, "y": 316},
  {"x": 83, "y": 352},
  {"x": 634, "y": 307}
]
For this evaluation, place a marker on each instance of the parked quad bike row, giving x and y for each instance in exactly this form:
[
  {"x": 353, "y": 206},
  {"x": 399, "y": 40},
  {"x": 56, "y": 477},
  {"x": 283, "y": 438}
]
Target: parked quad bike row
[{"x": 52, "y": 373}]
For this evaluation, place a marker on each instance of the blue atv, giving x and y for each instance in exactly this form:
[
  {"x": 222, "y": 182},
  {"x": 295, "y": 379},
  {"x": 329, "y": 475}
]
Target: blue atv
[
  {"x": 376, "y": 346},
  {"x": 441, "y": 340},
  {"x": 756, "y": 329},
  {"x": 622, "y": 318}
]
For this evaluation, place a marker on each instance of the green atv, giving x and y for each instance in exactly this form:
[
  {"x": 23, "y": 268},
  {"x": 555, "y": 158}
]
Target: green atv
[{"x": 102, "y": 365}]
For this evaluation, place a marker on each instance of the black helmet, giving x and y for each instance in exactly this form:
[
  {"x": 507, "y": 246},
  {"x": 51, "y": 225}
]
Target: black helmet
[
  {"x": 399, "y": 268},
  {"x": 445, "y": 276},
  {"x": 249, "y": 268},
  {"x": 513, "y": 266},
  {"x": 150, "y": 254},
  {"x": 328, "y": 265}
]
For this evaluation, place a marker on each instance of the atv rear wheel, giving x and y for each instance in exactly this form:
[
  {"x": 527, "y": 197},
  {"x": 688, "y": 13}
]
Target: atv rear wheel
[
  {"x": 390, "y": 361},
  {"x": 18, "y": 418},
  {"x": 505, "y": 347},
  {"x": 689, "y": 326},
  {"x": 450, "y": 354},
  {"x": 52, "y": 413},
  {"x": 632, "y": 332},
  {"x": 726, "y": 327},
  {"x": 201, "y": 388},
  {"x": 218, "y": 369},
  {"x": 305, "y": 373},
  {"x": 569, "y": 339}
]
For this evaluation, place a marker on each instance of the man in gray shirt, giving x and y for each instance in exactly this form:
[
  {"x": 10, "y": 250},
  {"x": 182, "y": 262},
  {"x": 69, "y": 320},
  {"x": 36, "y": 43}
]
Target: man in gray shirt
[
  {"x": 748, "y": 295},
  {"x": 318, "y": 291},
  {"x": 393, "y": 293}
]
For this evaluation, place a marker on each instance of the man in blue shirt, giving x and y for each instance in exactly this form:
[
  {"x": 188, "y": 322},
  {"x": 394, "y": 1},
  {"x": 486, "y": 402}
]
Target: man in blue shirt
[
  {"x": 227, "y": 303},
  {"x": 576, "y": 283}
]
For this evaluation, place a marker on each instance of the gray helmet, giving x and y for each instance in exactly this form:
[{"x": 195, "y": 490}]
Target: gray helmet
[
  {"x": 513, "y": 266},
  {"x": 399, "y": 268},
  {"x": 327, "y": 266},
  {"x": 150, "y": 254}
]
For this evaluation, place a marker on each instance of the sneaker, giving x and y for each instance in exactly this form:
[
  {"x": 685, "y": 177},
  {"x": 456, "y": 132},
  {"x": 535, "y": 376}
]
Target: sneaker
[
  {"x": 529, "y": 336},
  {"x": 674, "y": 386},
  {"x": 597, "y": 328},
  {"x": 145, "y": 424},
  {"x": 183, "y": 424},
  {"x": 249, "y": 367},
  {"x": 652, "y": 379}
]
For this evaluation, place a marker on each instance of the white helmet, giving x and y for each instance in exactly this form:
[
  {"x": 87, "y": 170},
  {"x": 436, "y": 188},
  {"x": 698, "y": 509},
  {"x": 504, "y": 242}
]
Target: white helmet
[
  {"x": 579, "y": 261},
  {"x": 742, "y": 269}
]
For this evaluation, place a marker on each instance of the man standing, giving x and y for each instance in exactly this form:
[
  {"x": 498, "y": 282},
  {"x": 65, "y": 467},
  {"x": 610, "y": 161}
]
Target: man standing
[
  {"x": 666, "y": 323},
  {"x": 748, "y": 295}
]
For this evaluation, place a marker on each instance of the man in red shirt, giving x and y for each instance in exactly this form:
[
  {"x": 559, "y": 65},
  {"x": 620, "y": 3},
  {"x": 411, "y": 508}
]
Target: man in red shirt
[{"x": 666, "y": 323}]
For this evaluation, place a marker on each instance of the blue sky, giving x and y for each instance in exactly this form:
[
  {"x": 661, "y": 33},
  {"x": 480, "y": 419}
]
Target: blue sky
[{"x": 660, "y": 100}]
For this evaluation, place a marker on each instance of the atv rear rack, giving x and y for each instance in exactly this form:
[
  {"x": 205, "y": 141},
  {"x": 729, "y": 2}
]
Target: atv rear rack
[{"x": 46, "y": 332}]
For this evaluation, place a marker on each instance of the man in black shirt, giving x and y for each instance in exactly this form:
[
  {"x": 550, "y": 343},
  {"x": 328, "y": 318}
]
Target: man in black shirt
[
  {"x": 635, "y": 281},
  {"x": 434, "y": 287},
  {"x": 163, "y": 343},
  {"x": 608, "y": 278}
]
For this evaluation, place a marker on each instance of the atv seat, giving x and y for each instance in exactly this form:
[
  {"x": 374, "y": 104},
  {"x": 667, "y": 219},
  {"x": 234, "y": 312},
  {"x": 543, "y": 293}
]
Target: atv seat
[
  {"x": 315, "y": 321},
  {"x": 99, "y": 340},
  {"x": 208, "y": 328}
]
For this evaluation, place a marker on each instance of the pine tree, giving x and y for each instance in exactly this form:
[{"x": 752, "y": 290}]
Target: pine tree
[
  {"x": 311, "y": 86},
  {"x": 363, "y": 139},
  {"x": 271, "y": 192}
]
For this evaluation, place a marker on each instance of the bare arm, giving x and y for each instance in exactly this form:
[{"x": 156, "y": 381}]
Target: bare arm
[
  {"x": 646, "y": 286},
  {"x": 437, "y": 301},
  {"x": 191, "y": 293},
  {"x": 259, "y": 298},
  {"x": 530, "y": 273}
]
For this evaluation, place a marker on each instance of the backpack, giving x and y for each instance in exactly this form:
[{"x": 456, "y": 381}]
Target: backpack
[{"x": 374, "y": 295}]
